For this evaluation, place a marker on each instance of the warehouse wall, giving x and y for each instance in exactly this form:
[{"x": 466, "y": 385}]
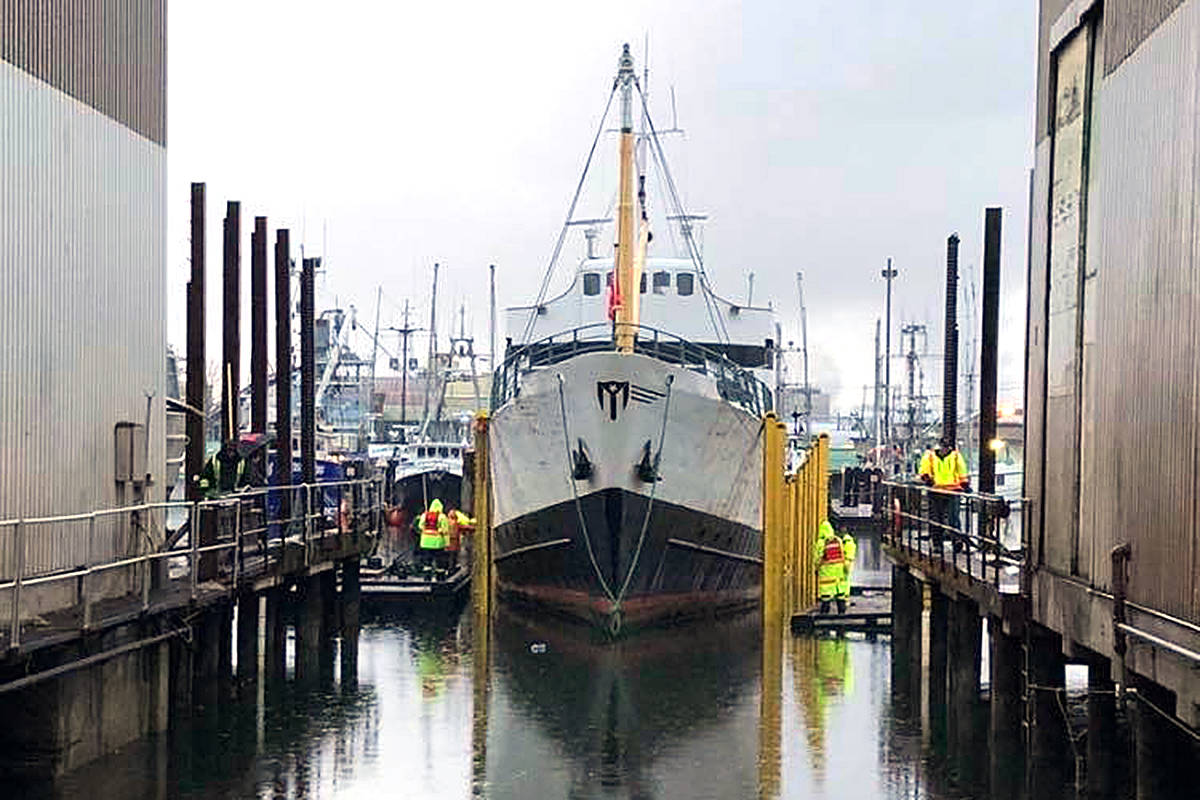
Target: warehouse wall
[{"x": 82, "y": 259}]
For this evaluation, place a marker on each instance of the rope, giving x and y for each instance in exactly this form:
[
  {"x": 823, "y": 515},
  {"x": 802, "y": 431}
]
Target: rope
[
  {"x": 662, "y": 436},
  {"x": 562, "y": 235},
  {"x": 587, "y": 540},
  {"x": 1164, "y": 714},
  {"x": 693, "y": 249}
]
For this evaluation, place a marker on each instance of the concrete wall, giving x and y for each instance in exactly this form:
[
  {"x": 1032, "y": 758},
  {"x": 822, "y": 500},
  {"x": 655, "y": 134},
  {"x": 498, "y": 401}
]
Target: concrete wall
[{"x": 82, "y": 261}]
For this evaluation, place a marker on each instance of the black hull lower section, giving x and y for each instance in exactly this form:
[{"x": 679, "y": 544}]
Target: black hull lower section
[{"x": 662, "y": 561}]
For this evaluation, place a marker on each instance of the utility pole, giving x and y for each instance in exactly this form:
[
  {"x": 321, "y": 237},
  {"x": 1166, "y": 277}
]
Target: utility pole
[
  {"x": 889, "y": 274},
  {"x": 492, "y": 320},
  {"x": 375, "y": 349},
  {"x": 804, "y": 344},
  {"x": 404, "y": 332},
  {"x": 875, "y": 403}
]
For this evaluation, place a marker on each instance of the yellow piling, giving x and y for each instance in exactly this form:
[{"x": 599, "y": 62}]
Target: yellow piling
[
  {"x": 481, "y": 559},
  {"x": 772, "y": 485}
]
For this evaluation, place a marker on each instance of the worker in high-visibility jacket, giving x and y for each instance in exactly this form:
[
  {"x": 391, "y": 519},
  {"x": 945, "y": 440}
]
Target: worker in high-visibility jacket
[
  {"x": 460, "y": 525},
  {"x": 833, "y": 568},
  {"x": 945, "y": 471},
  {"x": 434, "y": 528}
]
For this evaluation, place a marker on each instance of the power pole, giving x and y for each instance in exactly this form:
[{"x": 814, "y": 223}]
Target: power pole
[
  {"x": 492, "y": 320},
  {"x": 404, "y": 332},
  {"x": 889, "y": 274}
]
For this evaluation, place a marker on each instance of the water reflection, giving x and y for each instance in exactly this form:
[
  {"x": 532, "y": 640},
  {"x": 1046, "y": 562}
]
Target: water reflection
[
  {"x": 653, "y": 716},
  {"x": 688, "y": 713}
]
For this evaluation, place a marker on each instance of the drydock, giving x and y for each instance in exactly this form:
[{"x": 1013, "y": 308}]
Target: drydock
[{"x": 637, "y": 601}]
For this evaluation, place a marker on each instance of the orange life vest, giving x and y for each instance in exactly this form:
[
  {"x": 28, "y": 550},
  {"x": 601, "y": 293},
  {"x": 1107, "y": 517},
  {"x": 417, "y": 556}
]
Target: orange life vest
[
  {"x": 833, "y": 551},
  {"x": 430, "y": 522}
]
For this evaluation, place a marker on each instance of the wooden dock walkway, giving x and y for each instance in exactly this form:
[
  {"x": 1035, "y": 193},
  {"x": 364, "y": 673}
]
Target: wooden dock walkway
[{"x": 869, "y": 612}]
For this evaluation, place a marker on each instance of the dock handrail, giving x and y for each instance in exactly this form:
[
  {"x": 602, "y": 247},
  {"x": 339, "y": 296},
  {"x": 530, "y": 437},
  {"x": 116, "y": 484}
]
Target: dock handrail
[
  {"x": 246, "y": 534},
  {"x": 962, "y": 531},
  {"x": 735, "y": 383}
]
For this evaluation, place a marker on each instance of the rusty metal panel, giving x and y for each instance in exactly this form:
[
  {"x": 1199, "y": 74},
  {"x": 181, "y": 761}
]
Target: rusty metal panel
[
  {"x": 1127, "y": 23},
  {"x": 1066, "y": 260},
  {"x": 82, "y": 277},
  {"x": 1143, "y": 398},
  {"x": 109, "y": 54}
]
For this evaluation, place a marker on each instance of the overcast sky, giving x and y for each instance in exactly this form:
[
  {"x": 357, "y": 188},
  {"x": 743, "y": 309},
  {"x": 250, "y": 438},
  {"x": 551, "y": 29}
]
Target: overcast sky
[{"x": 821, "y": 135}]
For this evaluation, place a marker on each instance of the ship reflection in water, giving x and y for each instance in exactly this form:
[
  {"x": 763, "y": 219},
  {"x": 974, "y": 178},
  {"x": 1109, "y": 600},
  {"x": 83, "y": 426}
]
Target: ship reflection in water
[{"x": 673, "y": 714}]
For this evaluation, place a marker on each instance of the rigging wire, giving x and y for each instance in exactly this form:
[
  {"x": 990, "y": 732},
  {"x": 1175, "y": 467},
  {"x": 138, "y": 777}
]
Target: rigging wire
[
  {"x": 567, "y": 222},
  {"x": 693, "y": 249}
]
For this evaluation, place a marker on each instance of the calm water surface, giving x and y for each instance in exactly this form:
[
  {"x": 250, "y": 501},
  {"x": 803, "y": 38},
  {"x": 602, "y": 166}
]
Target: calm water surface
[{"x": 677, "y": 714}]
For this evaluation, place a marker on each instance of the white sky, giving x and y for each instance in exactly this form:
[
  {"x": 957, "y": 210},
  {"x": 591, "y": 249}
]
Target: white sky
[{"x": 821, "y": 136}]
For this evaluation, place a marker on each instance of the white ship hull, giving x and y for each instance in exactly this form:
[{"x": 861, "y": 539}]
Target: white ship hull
[{"x": 618, "y": 546}]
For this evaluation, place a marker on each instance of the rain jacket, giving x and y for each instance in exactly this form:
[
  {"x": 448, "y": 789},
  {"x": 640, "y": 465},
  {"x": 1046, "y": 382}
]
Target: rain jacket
[
  {"x": 830, "y": 555},
  {"x": 434, "y": 527}
]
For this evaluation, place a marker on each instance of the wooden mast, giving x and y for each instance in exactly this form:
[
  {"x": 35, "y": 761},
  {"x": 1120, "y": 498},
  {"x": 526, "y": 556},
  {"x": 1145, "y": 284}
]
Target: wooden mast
[{"x": 626, "y": 287}]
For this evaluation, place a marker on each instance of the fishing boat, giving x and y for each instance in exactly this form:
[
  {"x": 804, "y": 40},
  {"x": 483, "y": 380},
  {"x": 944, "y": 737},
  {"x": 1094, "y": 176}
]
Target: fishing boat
[{"x": 626, "y": 423}]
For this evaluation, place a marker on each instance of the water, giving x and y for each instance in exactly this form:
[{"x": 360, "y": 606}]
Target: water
[{"x": 677, "y": 714}]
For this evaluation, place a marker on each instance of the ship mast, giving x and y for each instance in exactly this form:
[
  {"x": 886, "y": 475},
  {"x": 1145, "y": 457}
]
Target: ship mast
[{"x": 628, "y": 265}]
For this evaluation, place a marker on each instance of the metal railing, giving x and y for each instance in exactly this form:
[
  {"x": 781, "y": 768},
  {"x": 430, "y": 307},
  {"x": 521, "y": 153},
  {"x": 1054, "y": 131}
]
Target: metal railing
[
  {"x": 735, "y": 384},
  {"x": 140, "y": 553},
  {"x": 979, "y": 535}
]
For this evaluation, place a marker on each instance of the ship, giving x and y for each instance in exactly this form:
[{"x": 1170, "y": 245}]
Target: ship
[{"x": 626, "y": 425}]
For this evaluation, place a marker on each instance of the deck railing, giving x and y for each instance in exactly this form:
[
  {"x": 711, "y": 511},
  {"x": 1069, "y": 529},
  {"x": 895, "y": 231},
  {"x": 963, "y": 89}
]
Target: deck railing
[
  {"x": 979, "y": 535},
  {"x": 735, "y": 384},
  {"x": 152, "y": 548}
]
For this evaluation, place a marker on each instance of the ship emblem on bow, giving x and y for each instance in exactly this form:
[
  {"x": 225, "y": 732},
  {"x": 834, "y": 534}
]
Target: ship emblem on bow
[{"x": 611, "y": 393}]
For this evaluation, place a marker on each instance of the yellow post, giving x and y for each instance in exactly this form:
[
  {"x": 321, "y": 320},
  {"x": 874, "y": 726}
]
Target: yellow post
[
  {"x": 823, "y": 478},
  {"x": 772, "y": 478},
  {"x": 774, "y": 509},
  {"x": 481, "y": 557}
]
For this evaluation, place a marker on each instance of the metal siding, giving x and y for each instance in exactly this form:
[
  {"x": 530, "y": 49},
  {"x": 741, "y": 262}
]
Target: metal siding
[
  {"x": 82, "y": 288},
  {"x": 109, "y": 54},
  {"x": 1128, "y": 23},
  {"x": 1035, "y": 338},
  {"x": 1145, "y": 395}
]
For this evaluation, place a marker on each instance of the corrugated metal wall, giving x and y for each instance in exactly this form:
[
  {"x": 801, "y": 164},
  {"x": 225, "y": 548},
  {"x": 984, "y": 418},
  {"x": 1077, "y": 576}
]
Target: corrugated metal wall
[
  {"x": 82, "y": 250},
  {"x": 110, "y": 54},
  {"x": 1139, "y": 454}
]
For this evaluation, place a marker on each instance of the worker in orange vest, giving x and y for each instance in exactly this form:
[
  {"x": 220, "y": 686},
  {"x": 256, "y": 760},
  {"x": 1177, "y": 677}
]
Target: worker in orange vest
[
  {"x": 434, "y": 527},
  {"x": 460, "y": 524}
]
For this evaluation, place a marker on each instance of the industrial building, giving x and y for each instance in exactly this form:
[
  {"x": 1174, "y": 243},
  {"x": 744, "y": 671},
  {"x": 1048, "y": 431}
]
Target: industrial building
[
  {"x": 82, "y": 273},
  {"x": 1113, "y": 380}
]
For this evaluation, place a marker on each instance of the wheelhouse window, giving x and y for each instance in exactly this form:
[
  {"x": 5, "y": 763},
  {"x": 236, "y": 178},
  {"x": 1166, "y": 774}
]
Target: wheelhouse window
[
  {"x": 685, "y": 283},
  {"x": 662, "y": 282},
  {"x": 642, "y": 288},
  {"x": 591, "y": 283},
  {"x": 608, "y": 279}
]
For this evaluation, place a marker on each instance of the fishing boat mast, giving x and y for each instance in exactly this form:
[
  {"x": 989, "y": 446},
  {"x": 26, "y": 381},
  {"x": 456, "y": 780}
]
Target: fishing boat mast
[{"x": 629, "y": 256}]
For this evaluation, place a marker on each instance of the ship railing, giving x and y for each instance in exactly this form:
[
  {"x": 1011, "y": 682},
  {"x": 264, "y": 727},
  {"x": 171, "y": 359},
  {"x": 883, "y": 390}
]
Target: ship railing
[
  {"x": 735, "y": 384},
  {"x": 72, "y": 571},
  {"x": 978, "y": 535}
]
